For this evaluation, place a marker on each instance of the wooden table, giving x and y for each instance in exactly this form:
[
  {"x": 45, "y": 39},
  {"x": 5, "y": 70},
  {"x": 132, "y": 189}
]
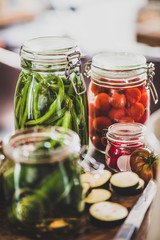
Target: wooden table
[{"x": 86, "y": 229}]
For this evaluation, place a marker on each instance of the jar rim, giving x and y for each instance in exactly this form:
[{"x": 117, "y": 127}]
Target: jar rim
[
  {"x": 123, "y": 132},
  {"x": 118, "y": 61},
  {"x": 19, "y": 146},
  {"x": 118, "y": 69},
  {"x": 48, "y": 49}
]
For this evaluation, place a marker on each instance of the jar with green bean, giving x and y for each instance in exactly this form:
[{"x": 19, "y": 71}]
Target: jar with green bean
[{"x": 50, "y": 90}]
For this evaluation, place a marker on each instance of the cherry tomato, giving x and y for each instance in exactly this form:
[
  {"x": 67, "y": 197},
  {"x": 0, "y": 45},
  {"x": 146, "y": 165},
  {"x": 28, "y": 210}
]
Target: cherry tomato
[
  {"x": 133, "y": 95},
  {"x": 93, "y": 111},
  {"x": 102, "y": 102},
  {"x": 96, "y": 141},
  {"x": 118, "y": 100},
  {"x": 126, "y": 119},
  {"x": 116, "y": 113},
  {"x": 144, "y": 117},
  {"x": 95, "y": 88},
  {"x": 136, "y": 111},
  {"x": 144, "y": 163},
  {"x": 144, "y": 99},
  {"x": 101, "y": 123}
]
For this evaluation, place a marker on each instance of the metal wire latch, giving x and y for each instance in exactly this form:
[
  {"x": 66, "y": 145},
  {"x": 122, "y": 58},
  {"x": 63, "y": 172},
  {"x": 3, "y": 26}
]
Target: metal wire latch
[
  {"x": 149, "y": 82},
  {"x": 87, "y": 69},
  {"x": 75, "y": 68}
]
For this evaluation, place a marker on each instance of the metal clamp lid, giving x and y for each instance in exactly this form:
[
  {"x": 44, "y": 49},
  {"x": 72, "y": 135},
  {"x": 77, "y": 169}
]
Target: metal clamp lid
[
  {"x": 70, "y": 66},
  {"x": 149, "y": 83},
  {"x": 87, "y": 69}
]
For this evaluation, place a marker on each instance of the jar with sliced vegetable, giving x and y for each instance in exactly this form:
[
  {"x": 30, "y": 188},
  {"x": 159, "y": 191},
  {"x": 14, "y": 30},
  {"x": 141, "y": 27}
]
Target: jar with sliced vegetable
[
  {"x": 119, "y": 91},
  {"x": 50, "y": 89},
  {"x": 122, "y": 140},
  {"x": 42, "y": 187}
]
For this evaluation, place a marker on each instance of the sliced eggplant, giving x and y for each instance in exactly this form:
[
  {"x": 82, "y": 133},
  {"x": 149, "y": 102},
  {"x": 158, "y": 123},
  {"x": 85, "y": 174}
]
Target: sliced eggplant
[
  {"x": 98, "y": 195},
  {"x": 86, "y": 188},
  {"x": 140, "y": 187},
  {"x": 95, "y": 179},
  {"x": 108, "y": 212},
  {"x": 124, "y": 182}
]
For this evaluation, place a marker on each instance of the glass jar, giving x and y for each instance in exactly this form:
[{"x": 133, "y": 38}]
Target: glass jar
[
  {"x": 122, "y": 140},
  {"x": 119, "y": 91},
  {"x": 42, "y": 184},
  {"x": 50, "y": 89}
]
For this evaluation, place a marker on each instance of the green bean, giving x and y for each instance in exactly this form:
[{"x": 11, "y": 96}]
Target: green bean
[
  {"x": 36, "y": 101},
  {"x": 23, "y": 102},
  {"x": 66, "y": 120},
  {"x": 25, "y": 115},
  {"x": 59, "y": 122},
  {"x": 58, "y": 115},
  {"x": 37, "y": 77},
  {"x": 75, "y": 120},
  {"x": 53, "y": 107}
]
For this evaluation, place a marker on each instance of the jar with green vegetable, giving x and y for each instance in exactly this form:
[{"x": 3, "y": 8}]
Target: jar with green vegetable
[
  {"x": 50, "y": 90},
  {"x": 42, "y": 186}
]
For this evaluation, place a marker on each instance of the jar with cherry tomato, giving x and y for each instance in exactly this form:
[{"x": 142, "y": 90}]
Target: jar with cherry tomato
[
  {"x": 119, "y": 92},
  {"x": 122, "y": 140}
]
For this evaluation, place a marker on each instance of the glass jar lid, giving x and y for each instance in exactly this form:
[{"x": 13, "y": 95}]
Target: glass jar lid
[
  {"x": 118, "y": 61},
  {"x": 122, "y": 132},
  {"x": 121, "y": 66},
  {"x": 41, "y": 145},
  {"x": 49, "y": 49}
]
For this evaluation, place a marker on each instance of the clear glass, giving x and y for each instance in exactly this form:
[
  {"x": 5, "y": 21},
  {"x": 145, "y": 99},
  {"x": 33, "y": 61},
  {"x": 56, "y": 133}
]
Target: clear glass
[
  {"x": 122, "y": 140},
  {"x": 118, "y": 92},
  {"x": 42, "y": 184},
  {"x": 50, "y": 90}
]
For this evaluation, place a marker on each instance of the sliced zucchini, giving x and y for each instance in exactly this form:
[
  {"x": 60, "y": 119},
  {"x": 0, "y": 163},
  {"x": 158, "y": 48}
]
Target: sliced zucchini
[
  {"x": 98, "y": 195},
  {"x": 95, "y": 179},
  {"x": 124, "y": 182},
  {"x": 108, "y": 212},
  {"x": 86, "y": 188}
]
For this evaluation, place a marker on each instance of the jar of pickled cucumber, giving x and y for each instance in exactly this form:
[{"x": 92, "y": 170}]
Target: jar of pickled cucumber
[
  {"x": 42, "y": 184},
  {"x": 50, "y": 89},
  {"x": 122, "y": 140},
  {"x": 119, "y": 91}
]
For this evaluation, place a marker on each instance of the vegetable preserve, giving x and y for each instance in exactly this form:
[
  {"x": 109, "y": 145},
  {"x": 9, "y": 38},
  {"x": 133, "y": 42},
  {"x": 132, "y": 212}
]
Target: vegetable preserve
[
  {"x": 119, "y": 91},
  {"x": 122, "y": 140},
  {"x": 42, "y": 186},
  {"x": 50, "y": 89}
]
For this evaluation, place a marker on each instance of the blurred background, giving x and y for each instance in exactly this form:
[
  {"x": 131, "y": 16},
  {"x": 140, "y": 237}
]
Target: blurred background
[{"x": 97, "y": 25}]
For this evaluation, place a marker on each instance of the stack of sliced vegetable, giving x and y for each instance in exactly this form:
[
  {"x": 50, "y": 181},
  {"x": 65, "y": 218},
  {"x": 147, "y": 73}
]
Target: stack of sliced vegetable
[{"x": 101, "y": 210}]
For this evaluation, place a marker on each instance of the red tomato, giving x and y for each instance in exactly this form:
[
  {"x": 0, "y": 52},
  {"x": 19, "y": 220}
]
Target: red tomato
[
  {"x": 136, "y": 111},
  {"x": 144, "y": 99},
  {"x": 95, "y": 88},
  {"x": 133, "y": 95},
  {"x": 101, "y": 123},
  {"x": 144, "y": 117},
  {"x": 102, "y": 102},
  {"x": 118, "y": 100},
  {"x": 126, "y": 119},
  {"x": 93, "y": 111},
  {"x": 116, "y": 113},
  {"x": 96, "y": 141}
]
